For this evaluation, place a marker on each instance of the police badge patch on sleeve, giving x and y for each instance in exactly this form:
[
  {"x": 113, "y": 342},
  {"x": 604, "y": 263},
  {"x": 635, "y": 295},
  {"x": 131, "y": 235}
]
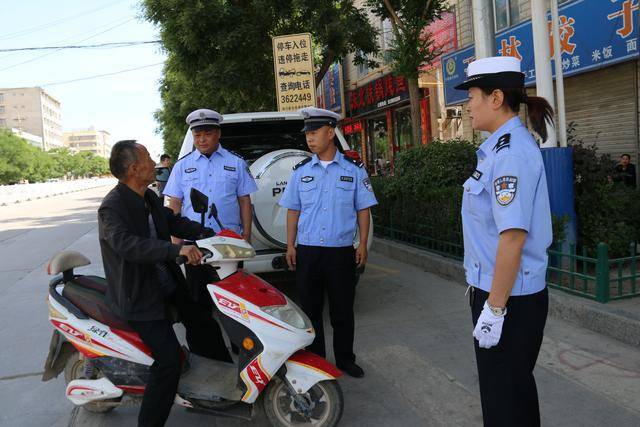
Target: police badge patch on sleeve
[
  {"x": 367, "y": 184},
  {"x": 506, "y": 188}
]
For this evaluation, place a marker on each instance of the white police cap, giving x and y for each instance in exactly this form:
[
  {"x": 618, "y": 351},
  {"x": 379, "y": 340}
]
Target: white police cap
[
  {"x": 315, "y": 118},
  {"x": 494, "y": 72},
  {"x": 204, "y": 117}
]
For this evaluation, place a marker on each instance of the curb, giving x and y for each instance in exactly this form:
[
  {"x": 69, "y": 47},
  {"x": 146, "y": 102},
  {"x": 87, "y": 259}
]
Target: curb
[
  {"x": 618, "y": 324},
  {"x": 46, "y": 196}
]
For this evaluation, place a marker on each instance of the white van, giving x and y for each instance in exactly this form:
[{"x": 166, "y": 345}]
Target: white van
[{"x": 272, "y": 144}]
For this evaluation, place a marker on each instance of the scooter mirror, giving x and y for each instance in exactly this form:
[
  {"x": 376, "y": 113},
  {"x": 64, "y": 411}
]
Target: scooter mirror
[
  {"x": 199, "y": 201},
  {"x": 213, "y": 213}
]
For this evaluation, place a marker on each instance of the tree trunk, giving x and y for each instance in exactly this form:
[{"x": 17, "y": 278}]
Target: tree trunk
[
  {"x": 416, "y": 122},
  {"x": 326, "y": 63}
]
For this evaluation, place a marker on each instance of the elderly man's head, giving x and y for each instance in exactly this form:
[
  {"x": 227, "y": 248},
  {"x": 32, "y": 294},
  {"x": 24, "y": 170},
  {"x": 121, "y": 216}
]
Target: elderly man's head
[{"x": 131, "y": 162}]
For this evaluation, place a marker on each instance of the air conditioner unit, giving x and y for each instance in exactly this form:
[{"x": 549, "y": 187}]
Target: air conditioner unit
[{"x": 454, "y": 113}]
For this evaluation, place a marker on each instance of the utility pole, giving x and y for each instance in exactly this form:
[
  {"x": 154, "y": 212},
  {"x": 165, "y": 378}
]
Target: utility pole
[
  {"x": 542, "y": 56},
  {"x": 557, "y": 59},
  {"x": 483, "y": 30}
]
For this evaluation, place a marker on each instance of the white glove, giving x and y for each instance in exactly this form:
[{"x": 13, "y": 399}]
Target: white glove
[{"x": 489, "y": 328}]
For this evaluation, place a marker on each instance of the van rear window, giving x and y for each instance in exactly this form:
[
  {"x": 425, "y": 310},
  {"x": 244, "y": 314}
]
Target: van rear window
[{"x": 252, "y": 140}]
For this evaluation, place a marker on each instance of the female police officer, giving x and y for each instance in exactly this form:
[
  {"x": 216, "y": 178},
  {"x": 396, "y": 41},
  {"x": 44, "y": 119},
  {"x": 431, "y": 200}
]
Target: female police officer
[{"x": 507, "y": 230}]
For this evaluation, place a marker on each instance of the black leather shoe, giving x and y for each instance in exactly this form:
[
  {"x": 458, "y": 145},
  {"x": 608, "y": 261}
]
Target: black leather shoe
[{"x": 351, "y": 369}]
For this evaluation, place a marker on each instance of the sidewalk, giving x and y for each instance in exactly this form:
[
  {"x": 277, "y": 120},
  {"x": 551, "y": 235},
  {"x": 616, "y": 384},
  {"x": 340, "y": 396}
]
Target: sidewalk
[{"x": 617, "y": 319}]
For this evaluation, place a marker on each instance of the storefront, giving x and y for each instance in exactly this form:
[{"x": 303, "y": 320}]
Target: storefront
[
  {"x": 378, "y": 122},
  {"x": 599, "y": 43}
]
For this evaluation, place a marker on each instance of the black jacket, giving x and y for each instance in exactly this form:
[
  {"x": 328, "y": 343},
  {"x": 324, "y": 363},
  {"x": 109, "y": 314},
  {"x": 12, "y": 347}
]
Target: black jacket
[
  {"x": 129, "y": 254},
  {"x": 626, "y": 176}
]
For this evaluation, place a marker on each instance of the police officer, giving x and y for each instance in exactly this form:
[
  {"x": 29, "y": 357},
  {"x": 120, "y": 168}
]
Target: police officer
[
  {"x": 507, "y": 229},
  {"x": 224, "y": 177},
  {"x": 327, "y": 196}
]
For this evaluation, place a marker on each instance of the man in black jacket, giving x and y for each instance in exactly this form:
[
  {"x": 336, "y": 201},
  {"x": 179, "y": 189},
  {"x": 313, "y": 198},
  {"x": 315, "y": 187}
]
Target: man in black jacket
[{"x": 139, "y": 263}]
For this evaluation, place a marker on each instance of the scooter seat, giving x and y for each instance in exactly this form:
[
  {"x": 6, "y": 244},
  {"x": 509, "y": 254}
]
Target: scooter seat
[{"x": 88, "y": 294}]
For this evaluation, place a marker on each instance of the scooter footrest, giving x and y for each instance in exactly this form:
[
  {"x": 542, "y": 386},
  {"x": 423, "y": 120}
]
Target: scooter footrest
[{"x": 209, "y": 379}]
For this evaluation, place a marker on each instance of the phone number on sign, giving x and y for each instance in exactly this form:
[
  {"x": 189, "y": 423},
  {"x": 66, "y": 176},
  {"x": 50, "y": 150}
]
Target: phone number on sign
[{"x": 295, "y": 98}]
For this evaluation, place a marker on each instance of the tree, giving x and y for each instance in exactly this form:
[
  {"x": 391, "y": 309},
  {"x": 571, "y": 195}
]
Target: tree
[
  {"x": 15, "y": 157},
  {"x": 220, "y": 53},
  {"x": 412, "y": 47}
]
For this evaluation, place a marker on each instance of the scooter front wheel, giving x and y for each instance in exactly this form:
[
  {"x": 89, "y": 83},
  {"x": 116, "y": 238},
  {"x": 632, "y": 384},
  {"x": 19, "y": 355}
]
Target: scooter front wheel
[{"x": 320, "y": 406}]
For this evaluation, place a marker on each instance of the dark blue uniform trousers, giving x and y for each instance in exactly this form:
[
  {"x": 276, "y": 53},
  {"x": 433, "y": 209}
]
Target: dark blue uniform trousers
[{"x": 507, "y": 387}]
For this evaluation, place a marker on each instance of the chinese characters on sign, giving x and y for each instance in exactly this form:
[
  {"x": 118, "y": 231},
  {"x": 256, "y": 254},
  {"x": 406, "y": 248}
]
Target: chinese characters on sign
[
  {"x": 443, "y": 32},
  {"x": 379, "y": 93},
  {"x": 351, "y": 128},
  {"x": 293, "y": 63},
  {"x": 593, "y": 34},
  {"x": 330, "y": 91}
]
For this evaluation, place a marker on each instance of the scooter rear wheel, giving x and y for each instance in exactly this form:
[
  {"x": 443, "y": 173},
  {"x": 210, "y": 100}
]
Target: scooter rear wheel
[
  {"x": 322, "y": 405},
  {"x": 74, "y": 370}
]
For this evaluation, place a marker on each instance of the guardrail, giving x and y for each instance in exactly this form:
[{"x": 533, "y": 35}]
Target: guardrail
[
  {"x": 10, "y": 194},
  {"x": 601, "y": 278}
]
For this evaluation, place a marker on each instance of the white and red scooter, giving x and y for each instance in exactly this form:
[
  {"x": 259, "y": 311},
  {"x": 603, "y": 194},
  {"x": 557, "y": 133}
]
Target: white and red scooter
[{"x": 106, "y": 364}]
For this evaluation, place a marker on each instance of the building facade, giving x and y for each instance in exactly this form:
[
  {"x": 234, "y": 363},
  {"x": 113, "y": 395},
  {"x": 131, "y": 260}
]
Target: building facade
[
  {"x": 90, "y": 140},
  {"x": 600, "y": 62},
  {"x": 34, "y": 111},
  {"x": 377, "y": 110}
]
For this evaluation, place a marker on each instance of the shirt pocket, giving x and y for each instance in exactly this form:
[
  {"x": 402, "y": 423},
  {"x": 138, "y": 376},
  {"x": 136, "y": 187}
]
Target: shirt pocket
[
  {"x": 307, "y": 192},
  {"x": 345, "y": 192},
  {"x": 477, "y": 198},
  {"x": 230, "y": 181}
]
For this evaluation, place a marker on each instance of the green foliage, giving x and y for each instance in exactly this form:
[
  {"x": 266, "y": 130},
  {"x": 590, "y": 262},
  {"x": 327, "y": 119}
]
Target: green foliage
[
  {"x": 425, "y": 195},
  {"x": 220, "y": 53},
  {"x": 15, "y": 157},
  {"x": 558, "y": 225},
  {"x": 437, "y": 164},
  {"x": 607, "y": 212},
  {"x": 412, "y": 47},
  {"x": 21, "y": 160}
]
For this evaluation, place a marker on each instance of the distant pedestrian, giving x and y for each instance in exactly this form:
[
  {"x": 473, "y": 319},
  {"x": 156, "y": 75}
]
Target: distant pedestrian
[
  {"x": 625, "y": 171},
  {"x": 162, "y": 174}
]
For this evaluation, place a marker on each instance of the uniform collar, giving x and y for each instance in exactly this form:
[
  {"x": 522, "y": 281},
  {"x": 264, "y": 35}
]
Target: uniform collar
[
  {"x": 338, "y": 158},
  {"x": 506, "y": 127},
  {"x": 219, "y": 152}
]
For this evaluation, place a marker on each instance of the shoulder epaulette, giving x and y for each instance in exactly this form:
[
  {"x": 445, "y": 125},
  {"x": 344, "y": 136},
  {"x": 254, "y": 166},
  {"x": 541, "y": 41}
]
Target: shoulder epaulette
[
  {"x": 304, "y": 162},
  {"x": 356, "y": 162},
  {"x": 235, "y": 154},
  {"x": 503, "y": 142},
  {"x": 186, "y": 155}
]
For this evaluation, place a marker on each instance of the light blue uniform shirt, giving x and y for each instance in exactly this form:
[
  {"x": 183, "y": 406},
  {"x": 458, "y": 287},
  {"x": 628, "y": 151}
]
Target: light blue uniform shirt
[
  {"x": 328, "y": 200},
  {"x": 223, "y": 178},
  {"x": 508, "y": 190}
]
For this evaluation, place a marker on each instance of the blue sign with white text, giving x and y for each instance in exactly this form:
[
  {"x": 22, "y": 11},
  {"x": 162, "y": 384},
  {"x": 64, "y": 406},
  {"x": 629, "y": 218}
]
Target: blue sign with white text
[{"x": 593, "y": 34}]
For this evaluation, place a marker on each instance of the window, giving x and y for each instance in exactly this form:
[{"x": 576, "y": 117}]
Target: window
[
  {"x": 505, "y": 13},
  {"x": 3, "y": 123},
  {"x": 1, "y": 97},
  {"x": 1, "y": 108}
]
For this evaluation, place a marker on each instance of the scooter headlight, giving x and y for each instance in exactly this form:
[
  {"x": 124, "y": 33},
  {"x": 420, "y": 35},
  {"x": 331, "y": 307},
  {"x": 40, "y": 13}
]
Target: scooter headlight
[
  {"x": 233, "y": 251},
  {"x": 289, "y": 314}
]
